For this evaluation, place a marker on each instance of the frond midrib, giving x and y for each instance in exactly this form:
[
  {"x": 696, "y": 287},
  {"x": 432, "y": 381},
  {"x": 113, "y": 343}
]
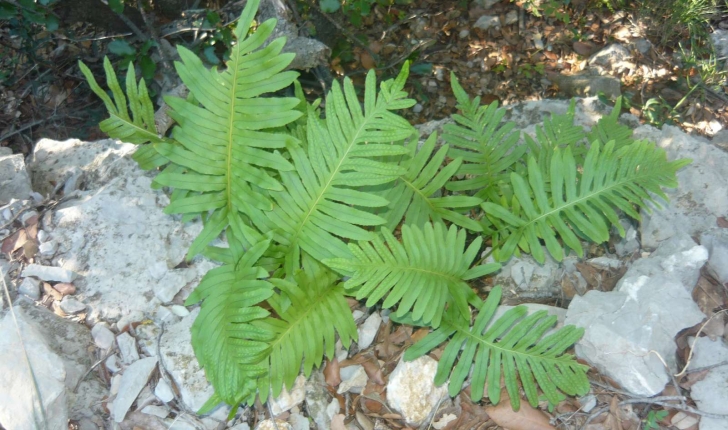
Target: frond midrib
[
  {"x": 582, "y": 199},
  {"x": 231, "y": 116},
  {"x": 402, "y": 268},
  {"x": 325, "y": 188},
  {"x": 153, "y": 137}
]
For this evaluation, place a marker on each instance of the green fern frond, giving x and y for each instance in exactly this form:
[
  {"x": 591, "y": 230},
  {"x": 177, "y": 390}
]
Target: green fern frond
[
  {"x": 139, "y": 127},
  {"x": 512, "y": 348},
  {"x": 320, "y": 203},
  {"x": 227, "y": 155},
  {"x": 226, "y": 342},
  {"x": 557, "y": 132},
  {"x": 488, "y": 149},
  {"x": 582, "y": 201},
  {"x": 608, "y": 128},
  {"x": 424, "y": 274},
  {"x": 311, "y": 311},
  {"x": 412, "y": 196}
]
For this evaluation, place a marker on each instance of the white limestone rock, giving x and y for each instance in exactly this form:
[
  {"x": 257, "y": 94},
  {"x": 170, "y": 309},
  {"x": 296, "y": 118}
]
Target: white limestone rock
[
  {"x": 14, "y": 179},
  {"x": 318, "y": 400},
  {"x": 163, "y": 391},
  {"x": 116, "y": 234},
  {"x": 133, "y": 379},
  {"x": 127, "y": 348},
  {"x": 487, "y": 21},
  {"x": 711, "y": 392},
  {"x": 270, "y": 425},
  {"x": 30, "y": 287},
  {"x": 368, "y": 331},
  {"x": 699, "y": 200},
  {"x": 610, "y": 56},
  {"x": 353, "y": 379},
  {"x": 411, "y": 390},
  {"x": 622, "y": 327},
  {"x": 717, "y": 246},
  {"x": 103, "y": 337},
  {"x": 49, "y": 273},
  {"x": 157, "y": 411},
  {"x": 71, "y": 306},
  {"x": 525, "y": 278},
  {"x": 289, "y": 398}
]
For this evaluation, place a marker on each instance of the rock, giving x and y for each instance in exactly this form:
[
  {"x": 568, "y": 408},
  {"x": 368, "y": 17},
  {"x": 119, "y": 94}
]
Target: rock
[
  {"x": 511, "y": 17},
  {"x": 241, "y": 426},
  {"x": 711, "y": 392},
  {"x": 353, "y": 379},
  {"x": 487, "y": 4},
  {"x": 417, "y": 108},
  {"x": 57, "y": 349},
  {"x": 717, "y": 247},
  {"x": 411, "y": 390},
  {"x": 21, "y": 407},
  {"x": 288, "y": 399},
  {"x": 157, "y": 411},
  {"x": 127, "y": 320},
  {"x": 317, "y": 401},
  {"x": 30, "y": 287},
  {"x": 71, "y": 306},
  {"x": 43, "y": 236},
  {"x": 163, "y": 391},
  {"x": 699, "y": 199},
  {"x": 609, "y": 56},
  {"x": 298, "y": 422},
  {"x": 112, "y": 363},
  {"x": 180, "y": 361},
  {"x": 720, "y": 41},
  {"x": 679, "y": 258},
  {"x": 133, "y": 379},
  {"x": 14, "y": 179},
  {"x": 180, "y": 311},
  {"x": 269, "y": 425},
  {"x": 127, "y": 348},
  {"x": 368, "y": 331},
  {"x": 487, "y": 21},
  {"x": 47, "y": 248},
  {"x": 103, "y": 337},
  {"x": 642, "y": 45},
  {"x": 462, "y": 35},
  {"x": 629, "y": 244},
  {"x": 584, "y": 48},
  {"x": 49, "y": 273},
  {"x": 525, "y": 279},
  {"x": 586, "y": 85},
  {"x": 309, "y": 52},
  {"x": 605, "y": 263},
  {"x": 623, "y": 326},
  {"x": 119, "y": 276}
]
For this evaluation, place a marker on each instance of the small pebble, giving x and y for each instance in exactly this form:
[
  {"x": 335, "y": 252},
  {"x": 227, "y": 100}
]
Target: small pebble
[
  {"x": 163, "y": 391},
  {"x": 127, "y": 348},
  {"x": 417, "y": 108},
  {"x": 157, "y": 411},
  {"x": 112, "y": 363},
  {"x": 43, "y": 236},
  {"x": 180, "y": 311},
  {"x": 48, "y": 248},
  {"x": 103, "y": 337},
  {"x": 26, "y": 216},
  {"x": 30, "y": 287},
  {"x": 464, "y": 34},
  {"x": 71, "y": 306}
]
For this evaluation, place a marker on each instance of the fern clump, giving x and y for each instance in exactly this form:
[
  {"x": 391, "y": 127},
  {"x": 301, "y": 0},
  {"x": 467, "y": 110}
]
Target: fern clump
[{"x": 316, "y": 209}]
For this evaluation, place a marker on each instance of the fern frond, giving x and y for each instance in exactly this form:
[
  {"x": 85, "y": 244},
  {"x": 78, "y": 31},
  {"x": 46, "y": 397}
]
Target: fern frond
[
  {"x": 488, "y": 149},
  {"x": 227, "y": 155},
  {"x": 608, "y": 128},
  {"x": 311, "y": 311},
  {"x": 412, "y": 196},
  {"x": 557, "y": 132},
  {"x": 511, "y": 348},
  {"x": 320, "y": 203},
  {"x": 226, "y": 342},
  {"x": 582, "y": 201},
  {"x": 424, "y": 274},
  {"x": 139, "y": 127}
]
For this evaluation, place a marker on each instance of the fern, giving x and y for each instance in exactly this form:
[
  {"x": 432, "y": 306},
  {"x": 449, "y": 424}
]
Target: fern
[
  {"x": 291, "y": 190},
  {"x": 487, "y": 147},
  {"x": 582, "y": 201},
  {"x": 425, "y": 273},
  {"x": 412, "y": 196},
  {"x": 311, "y": 311},
  {"x": 139, "y": 128},
  {"x": 511, "y": 348},
  {"x": 318, "y": 206},
  {"x": 226, "y": 156}
]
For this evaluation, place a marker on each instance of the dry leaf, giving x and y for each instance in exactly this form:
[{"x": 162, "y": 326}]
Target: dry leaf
[
  {"x": 51, "y": 291},
  {"x": 526, "y": 418},
  {"x": 332, "y": 373},
  {"x": 14, "y": 242},
  {"x": 367, "y": 61},
  {"x": 65, "y": 288}
]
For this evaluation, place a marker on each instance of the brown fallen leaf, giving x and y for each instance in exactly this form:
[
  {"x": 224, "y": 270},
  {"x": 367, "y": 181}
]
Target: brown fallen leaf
[
  {"x": 65, "y": 288},
  {"x": 52, "y": 292},
  {"x": 332, "y": 373},
  {"x": 14, "y": 242},
  {"x": 584, "y": 49},
  {"x": 526, "y": 418}
]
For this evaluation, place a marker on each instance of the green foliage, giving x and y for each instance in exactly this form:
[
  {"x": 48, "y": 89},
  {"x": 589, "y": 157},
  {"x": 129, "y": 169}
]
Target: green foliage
[
  {"x": 512, "y": 347},
  {"x": 653, "y": 417},
  {"x": 296, "y": 194}
]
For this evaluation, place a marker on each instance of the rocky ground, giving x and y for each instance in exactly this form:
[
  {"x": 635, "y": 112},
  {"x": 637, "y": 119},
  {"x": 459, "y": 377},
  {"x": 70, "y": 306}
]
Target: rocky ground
[{"x": 97, "y": 280}]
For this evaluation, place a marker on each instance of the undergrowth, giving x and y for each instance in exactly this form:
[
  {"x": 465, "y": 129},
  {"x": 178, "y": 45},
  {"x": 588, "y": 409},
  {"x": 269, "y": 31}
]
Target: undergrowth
[{"x": 314, "y": 209}]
